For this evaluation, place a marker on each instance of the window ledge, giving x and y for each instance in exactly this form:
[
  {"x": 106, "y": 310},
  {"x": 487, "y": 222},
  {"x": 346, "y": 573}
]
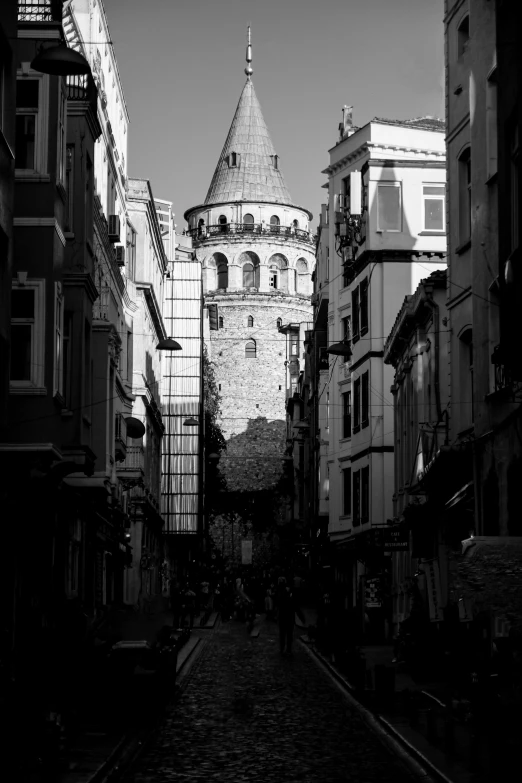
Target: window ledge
[
  {"x": 365, "y": 424},
  {"x": 356, "y": 338},
  {"x": 432, "y": 233},
  {"x": 463, "y": 247},
  {"x": 356, "y": 429},
  {"x": 364, "y": 331},
  {"x": 345, "y": 516},
  {"x": 31, "y": 176},
  {"x": 28, "y": 390},
  {"x": 345, "y": 440}
]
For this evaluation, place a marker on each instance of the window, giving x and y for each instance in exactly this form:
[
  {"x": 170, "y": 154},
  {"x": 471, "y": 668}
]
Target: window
[
  {"x": 248, "y": 222},
  {"x": 465, "y": 196},
  {"x": 347, "y": 414},
  {"x": 295, "y": 224},
  {"x": 232, "y": 159},
  {"x": 67, "y": 358},
  {"x": 250, "y": 350},
  {"x": 130, "y": 256},
  {"x": 275, "y": 161},
  {"x": 128, "y": 370},
  {"x": 389, "y": 217},
  {"x": 294, "y": 345},
  {"x": 356, "y": 498},
  {"x": 365, "y": 402},
  {"x": 223, "y": 224},
  {"x": 355, "y": 313},
  {"x": 433, "y": 197},
  {"x": 356, "y": 405},
  {"x": 222, "y": 274},
  {"x": 274, "y": 224},
  {"x": 27, "y": 123},
  {"x": 248, "y": 276},
  {"x": 27, "y": 337},
  {"x": 279, "y": 323},
  {"x": 363, "y": 307},
  {"x": 365, "y": 494},
  {"x": 201, "y": 227},
  {"x": 346, "y": 326},
  {"x": 463, "y": 36},
  {"x": 491, "y": 124},
  {"x": 302, "y": 276},
  {"x": 62, "y": 135},
  {"x": 221, "y": 322},
  {"x": 250, "y": 321},
  {"x": 347, "y": 491},
  {"x": 272, "y": 277},
  {"x": 58, "y": 340},
  {"x": 69, "y": 187},
  {"x": 466, "y": 377}
]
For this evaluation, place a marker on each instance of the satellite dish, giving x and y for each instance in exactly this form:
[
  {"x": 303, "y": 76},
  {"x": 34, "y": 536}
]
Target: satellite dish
[{"x": 135, "y": 427}]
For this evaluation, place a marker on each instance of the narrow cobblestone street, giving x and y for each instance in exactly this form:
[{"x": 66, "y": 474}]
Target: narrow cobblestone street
[{"x": 250, "y": 714}]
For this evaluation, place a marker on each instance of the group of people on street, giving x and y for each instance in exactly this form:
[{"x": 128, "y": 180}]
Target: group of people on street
[{"x": 279, "y": 597}]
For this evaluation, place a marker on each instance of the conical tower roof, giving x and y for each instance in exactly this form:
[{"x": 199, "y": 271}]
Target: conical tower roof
[{"x": 256, "y": 175}]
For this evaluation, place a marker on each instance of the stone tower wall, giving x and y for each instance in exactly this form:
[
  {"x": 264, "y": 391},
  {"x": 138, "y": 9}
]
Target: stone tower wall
[{"x": 253, "y": 390}]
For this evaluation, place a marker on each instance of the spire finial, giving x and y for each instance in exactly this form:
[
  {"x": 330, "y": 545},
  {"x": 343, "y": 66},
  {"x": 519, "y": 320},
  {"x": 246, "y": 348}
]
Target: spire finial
[{"x": 248, "y": 70}]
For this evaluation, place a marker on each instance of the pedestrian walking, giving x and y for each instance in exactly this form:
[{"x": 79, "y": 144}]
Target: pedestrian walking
[
  {"x": 188, "y": 607},
  {"x": 204, "y": 594},
  {"x": 287, "y": 609}
]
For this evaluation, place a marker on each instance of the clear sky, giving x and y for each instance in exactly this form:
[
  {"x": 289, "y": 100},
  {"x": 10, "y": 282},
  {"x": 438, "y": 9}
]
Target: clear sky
[{"x": 181, "y": 63}]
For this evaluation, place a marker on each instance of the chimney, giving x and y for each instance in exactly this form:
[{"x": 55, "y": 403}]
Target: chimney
[{"x": 346, "y": 126}]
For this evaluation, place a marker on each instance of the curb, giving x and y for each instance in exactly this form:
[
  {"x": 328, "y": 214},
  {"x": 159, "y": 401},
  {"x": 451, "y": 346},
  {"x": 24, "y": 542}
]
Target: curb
[
  {"x": 416, "y": 762},
  {"x": 122, "y": 756}
]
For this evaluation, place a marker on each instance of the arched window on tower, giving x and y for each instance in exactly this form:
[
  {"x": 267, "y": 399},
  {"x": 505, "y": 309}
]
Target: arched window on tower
[
  {"x": 248, "y": 222},
  {"x": 201, "y": 227},
  {"x": 279, "y": 323},
  {"x": 249, "y": 261},
  {"x": 274, "y": 224},
  {"x": 222, "y": 269},
  {"x": 302, "y": 276},
  {"x": 250, "y": 321},
  {"x": 223, "y": 224},
  {"x": 295, "y": 224},
  {"x": 273, "y": 281},
  {"x": 250, "y": 350}
]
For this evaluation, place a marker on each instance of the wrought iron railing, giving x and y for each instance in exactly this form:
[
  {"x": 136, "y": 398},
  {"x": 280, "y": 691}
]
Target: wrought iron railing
[
  {"x": 81, "y": 88},
  {"x": 40, "y": 11},
  {"x": 203, "y": 233}
]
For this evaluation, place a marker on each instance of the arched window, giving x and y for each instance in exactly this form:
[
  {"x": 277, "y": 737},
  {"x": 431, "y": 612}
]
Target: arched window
[
  {"x": 223, "y": 224},
  {"x": 302, "y": 276},
  {"x": 250, "y": 263},
  {"x": 465, "y": 195},
  {"x": 463, "y": 36},
  {"x": 278, "y": 272},
  {"x": 295, "y": 223},
  {"x": 248, "y": 276},
  {"x": 232, "y": 159},
  {"x": 279, "y": 323},
  {"x": 248, "y": 222},
  {"x": 221, "y": 322},
  {"x": 274, "y": 224},
  {"x": 250, "y": 350},
  {"x": 222, "y": 269},
  {"x": 201, "y": 227},
  {"x": 250, "y": 321}
]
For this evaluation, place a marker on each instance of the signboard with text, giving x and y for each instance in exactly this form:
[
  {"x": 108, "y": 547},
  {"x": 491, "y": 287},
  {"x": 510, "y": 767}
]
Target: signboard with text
[{"x": 385, "y": 538}]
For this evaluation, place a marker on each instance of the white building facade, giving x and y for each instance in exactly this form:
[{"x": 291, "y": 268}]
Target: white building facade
[{"x": 401, "y": 239}]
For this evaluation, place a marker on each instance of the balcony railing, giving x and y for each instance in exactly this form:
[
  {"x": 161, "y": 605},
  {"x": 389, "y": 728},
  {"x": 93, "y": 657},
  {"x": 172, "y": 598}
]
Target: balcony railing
[
  {"x": 40, "y": 11},
  {"x": 203, "y": 233},
  {"x": 134, "y": 459}
]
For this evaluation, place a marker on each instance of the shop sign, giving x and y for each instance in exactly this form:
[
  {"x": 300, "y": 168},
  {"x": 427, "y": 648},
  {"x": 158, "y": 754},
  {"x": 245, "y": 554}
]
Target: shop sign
[
  {"x": 431, "y": 569},
  {"x": 246, "y": 552},
  {"x": 372, "y": 593},
  {"x": 396, "y": 540}
]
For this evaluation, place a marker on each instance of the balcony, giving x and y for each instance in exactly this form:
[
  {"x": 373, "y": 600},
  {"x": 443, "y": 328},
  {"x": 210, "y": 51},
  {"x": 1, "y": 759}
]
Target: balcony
[
  {"x": 254, "y": 230},
  {"x": 133, "y": 465},
  {"x": 120, "y": 438},
  {"x": 40, "y": 11},
  {"x": 504, "y": 375}
]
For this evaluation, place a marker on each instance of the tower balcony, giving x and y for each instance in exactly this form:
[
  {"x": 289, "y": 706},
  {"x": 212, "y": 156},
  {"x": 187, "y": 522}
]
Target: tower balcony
[{"x": 250, "y": 231}]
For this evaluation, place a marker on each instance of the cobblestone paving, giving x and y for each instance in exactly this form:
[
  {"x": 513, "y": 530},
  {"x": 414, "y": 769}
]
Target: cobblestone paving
[{"x": 248, "y": 714}]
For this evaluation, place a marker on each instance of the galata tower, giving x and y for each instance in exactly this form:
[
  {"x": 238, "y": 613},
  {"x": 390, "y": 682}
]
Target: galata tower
[{"x": 257, "y": 255}]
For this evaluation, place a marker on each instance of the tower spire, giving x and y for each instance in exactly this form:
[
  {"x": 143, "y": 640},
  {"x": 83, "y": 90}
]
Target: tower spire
[{"x": 249, "y": 70}]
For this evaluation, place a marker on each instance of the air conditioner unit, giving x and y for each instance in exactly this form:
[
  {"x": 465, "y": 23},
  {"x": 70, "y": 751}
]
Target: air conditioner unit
[
  {"x": 114, "y": 228},
  {"x": 120, "y": 255}
]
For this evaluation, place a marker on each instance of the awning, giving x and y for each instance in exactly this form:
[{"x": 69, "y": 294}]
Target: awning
[{"x": 488, "y": 574}]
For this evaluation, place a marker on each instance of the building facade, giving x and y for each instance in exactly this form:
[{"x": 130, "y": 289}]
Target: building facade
[
  {"x": 257, "y": 254},
  {"x": 396, "y": 202}
]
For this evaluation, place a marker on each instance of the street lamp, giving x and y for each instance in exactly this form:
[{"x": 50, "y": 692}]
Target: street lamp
[
  {"x": 168, "y": 344},
  {"x": 191, "y": 422},
  {"x": 60, "y": 61}
]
